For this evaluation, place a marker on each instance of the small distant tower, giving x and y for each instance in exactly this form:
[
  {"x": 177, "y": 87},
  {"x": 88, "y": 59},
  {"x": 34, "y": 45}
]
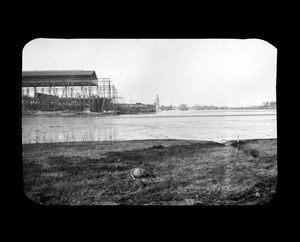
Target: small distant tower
[
  {"x": 157, "y": 101},
  {"x": 157, "y": 105}
]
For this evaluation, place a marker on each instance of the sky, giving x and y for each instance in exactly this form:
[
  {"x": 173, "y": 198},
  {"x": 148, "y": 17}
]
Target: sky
[{"x": 221, "y": 72}]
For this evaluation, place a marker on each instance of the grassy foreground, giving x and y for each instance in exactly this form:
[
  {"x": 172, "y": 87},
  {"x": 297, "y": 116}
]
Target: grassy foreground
[{"x": 187, "y": 172}]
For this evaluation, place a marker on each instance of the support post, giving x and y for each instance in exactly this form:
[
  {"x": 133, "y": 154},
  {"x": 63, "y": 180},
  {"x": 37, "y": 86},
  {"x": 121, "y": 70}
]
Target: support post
[
  {"x": 109, "y": 94},
  {"x": 103, "y": 100}
]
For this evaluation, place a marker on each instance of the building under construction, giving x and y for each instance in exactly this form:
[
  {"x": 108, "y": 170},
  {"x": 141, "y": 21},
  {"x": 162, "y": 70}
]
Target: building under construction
[{"x": 75, "y": 90}]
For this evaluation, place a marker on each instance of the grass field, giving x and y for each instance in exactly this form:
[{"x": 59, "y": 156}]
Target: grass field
[{"x": 186, "y": 172}]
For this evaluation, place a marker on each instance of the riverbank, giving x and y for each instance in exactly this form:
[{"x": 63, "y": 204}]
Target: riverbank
[
  {"x": 67, "y": 113},
  {"x": 187, "y": 172}
]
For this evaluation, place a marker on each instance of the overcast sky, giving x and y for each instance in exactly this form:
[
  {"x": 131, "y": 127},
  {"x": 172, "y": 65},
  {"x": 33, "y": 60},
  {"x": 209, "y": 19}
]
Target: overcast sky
[{"x": 222, "y": 72}]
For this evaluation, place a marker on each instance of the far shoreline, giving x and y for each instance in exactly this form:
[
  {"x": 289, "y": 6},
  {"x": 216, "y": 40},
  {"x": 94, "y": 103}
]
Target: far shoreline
[
  {"x": 67, "y": 113},
  {"x": 70, "y": 113}
]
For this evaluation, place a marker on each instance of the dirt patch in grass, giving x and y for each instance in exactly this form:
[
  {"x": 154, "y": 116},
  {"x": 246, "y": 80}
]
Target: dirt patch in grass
[{"x": 186, "y": 172}]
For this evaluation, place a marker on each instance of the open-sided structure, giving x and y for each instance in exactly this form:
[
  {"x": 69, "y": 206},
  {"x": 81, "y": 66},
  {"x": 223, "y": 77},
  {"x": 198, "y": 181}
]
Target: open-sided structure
[{"x": 73, "y": 89}]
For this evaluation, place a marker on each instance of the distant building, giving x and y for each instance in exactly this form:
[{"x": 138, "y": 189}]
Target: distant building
[
  {"x": 124, "y": 108},
  {"x": 166, "y": 108}
]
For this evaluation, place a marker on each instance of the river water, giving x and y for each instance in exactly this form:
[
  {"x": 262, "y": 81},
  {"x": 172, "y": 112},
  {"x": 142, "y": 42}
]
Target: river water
[{"x": 215, "y": 125}]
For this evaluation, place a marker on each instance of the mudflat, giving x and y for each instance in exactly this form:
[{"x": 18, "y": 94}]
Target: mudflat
[{"x": 186, "y": 172}]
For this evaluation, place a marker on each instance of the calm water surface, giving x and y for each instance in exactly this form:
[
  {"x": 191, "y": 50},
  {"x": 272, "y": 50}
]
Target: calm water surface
[{"x": 216, "y": 125}]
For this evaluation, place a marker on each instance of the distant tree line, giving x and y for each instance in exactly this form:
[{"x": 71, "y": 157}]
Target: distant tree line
[
  {"x": 205, "y": 107},
  {"x": 267, "y": 104},
  {"x": 183, "y": 106},
  {"x": 271, "y": 104}
]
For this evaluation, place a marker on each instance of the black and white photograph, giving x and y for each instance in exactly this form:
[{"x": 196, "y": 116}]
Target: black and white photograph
[{"x": 149, "y": 121}]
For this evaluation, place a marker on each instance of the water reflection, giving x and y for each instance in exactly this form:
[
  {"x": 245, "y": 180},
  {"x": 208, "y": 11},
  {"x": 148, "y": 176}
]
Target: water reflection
[
  {"x": 218, "y": 127},
  {"x": 61, "y": 135}
]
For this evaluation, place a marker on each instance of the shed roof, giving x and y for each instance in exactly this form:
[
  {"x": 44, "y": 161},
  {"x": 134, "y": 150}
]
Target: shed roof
[
  {"x": 59, "y": 78},
  {"x": 58, "y": 73}
]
